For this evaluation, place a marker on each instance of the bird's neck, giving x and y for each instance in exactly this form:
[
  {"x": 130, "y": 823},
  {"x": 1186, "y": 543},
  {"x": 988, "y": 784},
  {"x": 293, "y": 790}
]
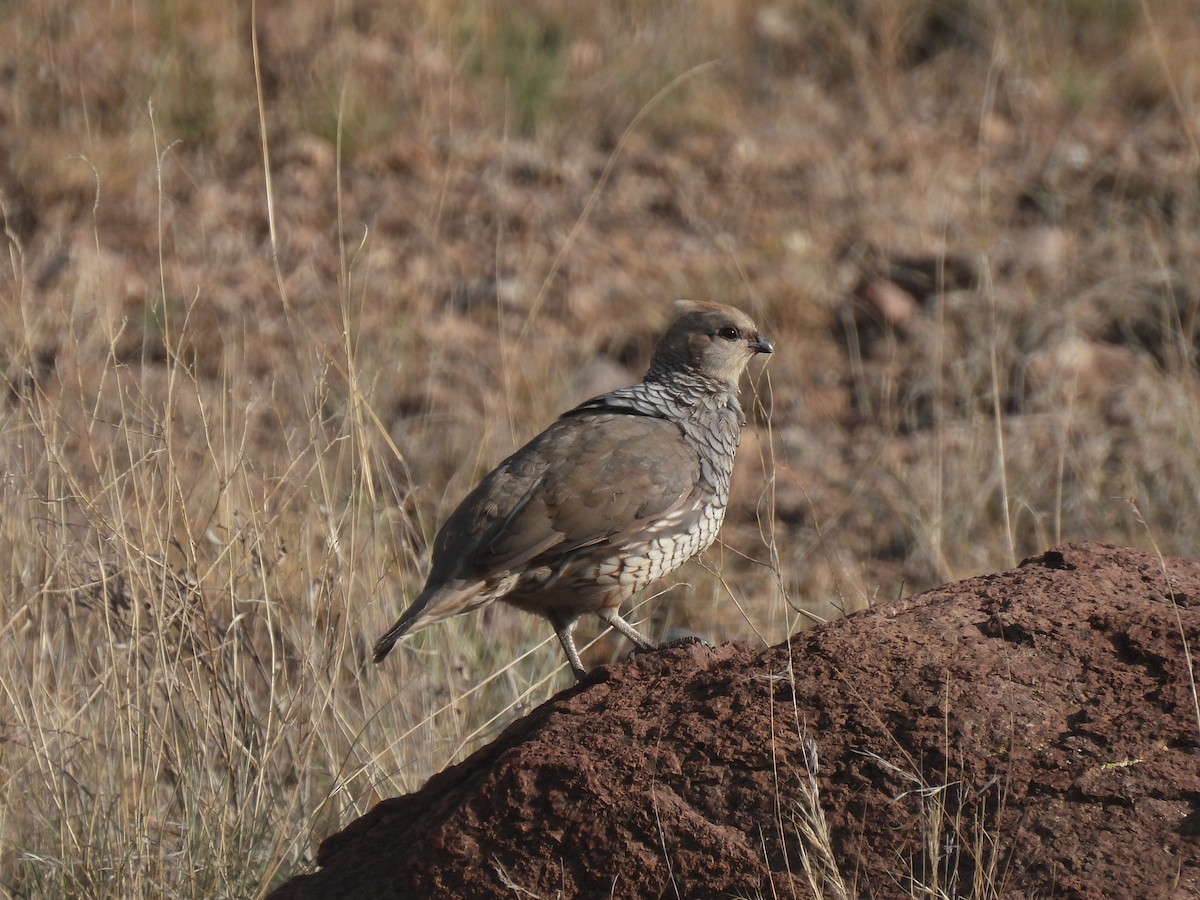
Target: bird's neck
[
  {"x": 688, "y": 381},
  {"x": 703, "y": 395}
]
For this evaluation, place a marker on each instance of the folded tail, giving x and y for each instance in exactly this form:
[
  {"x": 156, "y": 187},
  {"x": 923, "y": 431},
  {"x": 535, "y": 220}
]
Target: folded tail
[
  {"x": 384, "y": 645},
  {"x": 431, "y": 605}
]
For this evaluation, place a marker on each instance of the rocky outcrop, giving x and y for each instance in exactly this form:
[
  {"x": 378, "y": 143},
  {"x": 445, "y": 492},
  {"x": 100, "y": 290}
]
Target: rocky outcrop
[{"x": 1031, "y": 732}]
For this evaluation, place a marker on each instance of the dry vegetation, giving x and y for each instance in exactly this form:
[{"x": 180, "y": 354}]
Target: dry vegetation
[{"x": 233, "y": 410}]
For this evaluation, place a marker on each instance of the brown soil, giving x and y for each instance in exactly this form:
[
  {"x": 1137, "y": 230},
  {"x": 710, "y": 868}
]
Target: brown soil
[{"x": 1029, "y": 732}]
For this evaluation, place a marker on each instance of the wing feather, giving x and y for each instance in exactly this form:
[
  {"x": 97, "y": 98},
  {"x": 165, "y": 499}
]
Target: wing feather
[{"x": 589, "y": 480}]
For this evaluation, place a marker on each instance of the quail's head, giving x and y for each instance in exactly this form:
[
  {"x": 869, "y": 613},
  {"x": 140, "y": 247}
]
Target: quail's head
[{"x": 708, "y": 339}]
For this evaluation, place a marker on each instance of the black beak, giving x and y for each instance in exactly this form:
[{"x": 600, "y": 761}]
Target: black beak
[{"x": 761, "y": 345}]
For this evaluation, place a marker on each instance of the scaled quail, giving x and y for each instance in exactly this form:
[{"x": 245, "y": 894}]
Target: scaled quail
[{"x": 618, "y": 492}]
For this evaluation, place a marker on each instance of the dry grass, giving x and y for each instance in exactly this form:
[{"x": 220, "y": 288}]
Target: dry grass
[
  {"x": 962, "y": 856},
  {"x": 225, "y": 445}
]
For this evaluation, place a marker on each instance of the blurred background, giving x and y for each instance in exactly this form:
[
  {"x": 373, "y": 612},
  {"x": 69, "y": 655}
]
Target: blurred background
[{"x": 281, "y": 283}]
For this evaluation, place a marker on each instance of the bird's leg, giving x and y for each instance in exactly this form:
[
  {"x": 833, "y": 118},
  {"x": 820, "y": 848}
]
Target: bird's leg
[
  {"x": 564, "y": 628},
  {"x": 640, "y": 641},
  {"x": 613, "y": 617}
]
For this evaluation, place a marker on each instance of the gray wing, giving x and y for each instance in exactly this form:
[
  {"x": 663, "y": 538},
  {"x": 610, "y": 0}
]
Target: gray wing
[{"x": 590, "y": 479}]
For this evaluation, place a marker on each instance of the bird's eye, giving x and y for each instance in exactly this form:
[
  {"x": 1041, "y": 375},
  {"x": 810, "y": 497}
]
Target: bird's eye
[{"x": 729, "y": 333}]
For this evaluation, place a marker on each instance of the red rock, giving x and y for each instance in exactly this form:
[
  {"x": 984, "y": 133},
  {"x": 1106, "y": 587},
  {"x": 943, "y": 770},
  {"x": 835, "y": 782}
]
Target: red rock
[{"x": 1041, "y": 719}]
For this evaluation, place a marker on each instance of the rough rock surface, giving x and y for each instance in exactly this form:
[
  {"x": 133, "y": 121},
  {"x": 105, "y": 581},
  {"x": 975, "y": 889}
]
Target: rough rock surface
[{"x": 1031, "y": 732}]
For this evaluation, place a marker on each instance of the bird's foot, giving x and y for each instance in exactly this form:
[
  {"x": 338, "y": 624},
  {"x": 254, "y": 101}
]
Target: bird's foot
[{"x": 687, "y": 640}]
